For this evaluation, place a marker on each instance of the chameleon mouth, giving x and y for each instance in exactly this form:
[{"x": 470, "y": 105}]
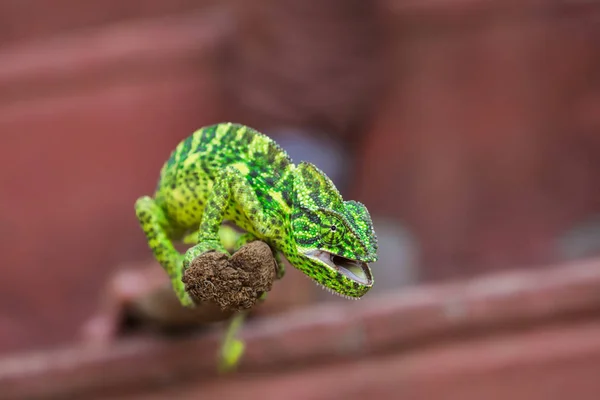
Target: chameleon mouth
[{"x": 354, "y": 270}]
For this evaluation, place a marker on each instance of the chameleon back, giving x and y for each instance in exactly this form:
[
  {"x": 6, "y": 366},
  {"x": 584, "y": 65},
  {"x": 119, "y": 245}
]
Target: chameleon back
[{"x": 187, "y": 177}]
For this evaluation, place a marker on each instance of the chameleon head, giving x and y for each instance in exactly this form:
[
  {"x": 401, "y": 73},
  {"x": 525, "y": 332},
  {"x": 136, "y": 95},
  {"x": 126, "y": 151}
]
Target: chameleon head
[{"x": 334, "y": 239}]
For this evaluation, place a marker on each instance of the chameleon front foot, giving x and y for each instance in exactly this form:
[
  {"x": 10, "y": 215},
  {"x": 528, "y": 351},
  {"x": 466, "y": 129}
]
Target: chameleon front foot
[{"x": 202, "y": 248}]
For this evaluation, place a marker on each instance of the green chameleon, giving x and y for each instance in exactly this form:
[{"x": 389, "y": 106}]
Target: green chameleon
[{"x": 231, "y": 172}]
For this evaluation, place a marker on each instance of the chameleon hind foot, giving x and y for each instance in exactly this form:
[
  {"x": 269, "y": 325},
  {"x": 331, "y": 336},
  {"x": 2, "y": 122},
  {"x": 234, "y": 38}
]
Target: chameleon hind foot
[{"x": 155, "y": 225}]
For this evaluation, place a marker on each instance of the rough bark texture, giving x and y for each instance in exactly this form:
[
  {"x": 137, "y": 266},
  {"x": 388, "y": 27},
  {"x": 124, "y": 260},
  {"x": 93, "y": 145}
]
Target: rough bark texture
[{"x": 235, "y": 283}]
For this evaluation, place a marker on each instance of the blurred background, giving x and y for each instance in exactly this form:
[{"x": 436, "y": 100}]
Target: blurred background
[{"x": 470, "y": 129}]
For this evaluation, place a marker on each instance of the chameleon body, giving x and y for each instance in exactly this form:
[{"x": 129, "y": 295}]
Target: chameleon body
[{"x": 231, "y": 172}]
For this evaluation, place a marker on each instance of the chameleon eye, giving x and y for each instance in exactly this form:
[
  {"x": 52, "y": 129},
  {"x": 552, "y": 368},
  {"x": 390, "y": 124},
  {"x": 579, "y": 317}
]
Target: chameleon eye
[{"x": 333, "y": 231}]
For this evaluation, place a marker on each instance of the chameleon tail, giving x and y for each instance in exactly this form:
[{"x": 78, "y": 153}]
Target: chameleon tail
[{"x": 232, "y": 348}]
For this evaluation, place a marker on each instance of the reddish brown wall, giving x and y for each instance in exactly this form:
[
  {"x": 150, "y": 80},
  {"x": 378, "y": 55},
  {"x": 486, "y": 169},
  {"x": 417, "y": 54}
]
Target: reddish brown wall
[
  {"x": 35, "y": 19},
  {"x": 489, "y": 145},
  {"x": 85, "y": 124}
]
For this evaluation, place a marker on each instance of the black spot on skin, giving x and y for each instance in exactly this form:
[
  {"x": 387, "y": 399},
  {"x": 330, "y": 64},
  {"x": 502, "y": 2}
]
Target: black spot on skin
[
  {"x": 229, "y": 136},
  {"x": 313, "y": 218},
  {"x": 308, "y": 241},
  {"x": 246, "y": 138},
  {"x": 186, "y": 147},
  {"x": 209, "y": 133},
  {"x": 316, "y": 198},
  {"x": 270, "y": 181},
  {"x": 271, "y": 154},
  {"x": 286, "y": 197}
]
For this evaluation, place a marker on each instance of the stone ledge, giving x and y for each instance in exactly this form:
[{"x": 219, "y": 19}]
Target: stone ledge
[
  {"x": 557, "y": 363},
  {"x": 422, "y": 333}
]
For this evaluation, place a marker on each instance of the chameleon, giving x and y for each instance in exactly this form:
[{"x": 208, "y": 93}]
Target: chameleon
[{"x": 229, "y": 172}]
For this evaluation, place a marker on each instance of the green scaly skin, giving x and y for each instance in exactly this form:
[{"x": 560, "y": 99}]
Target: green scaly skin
[{"x": 232, "y": 172}]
